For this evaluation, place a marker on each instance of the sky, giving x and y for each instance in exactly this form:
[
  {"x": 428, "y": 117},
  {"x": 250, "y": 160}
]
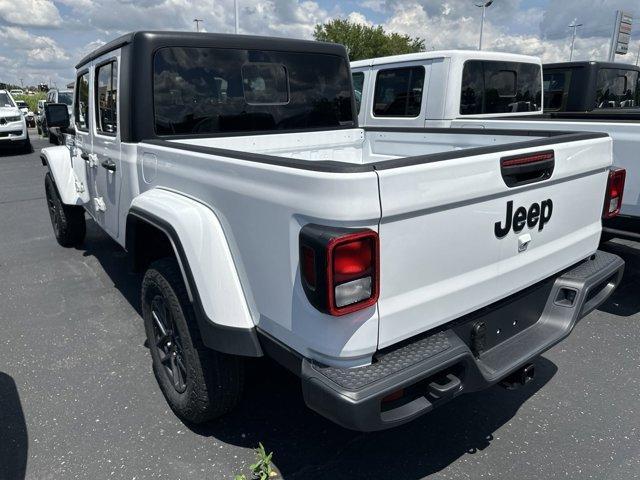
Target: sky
[{"x": 41, "y": 40}]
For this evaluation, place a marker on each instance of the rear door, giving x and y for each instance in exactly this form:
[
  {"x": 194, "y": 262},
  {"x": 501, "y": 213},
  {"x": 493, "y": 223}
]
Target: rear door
[
  {"x": 106, "y": 142},
  {"x": 455, "y": 237},
  {"x": 82, "y": 149}
]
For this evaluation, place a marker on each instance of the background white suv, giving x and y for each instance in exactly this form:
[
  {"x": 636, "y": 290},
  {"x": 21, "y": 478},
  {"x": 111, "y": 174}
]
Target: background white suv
[{"x": 13, "y": 126}]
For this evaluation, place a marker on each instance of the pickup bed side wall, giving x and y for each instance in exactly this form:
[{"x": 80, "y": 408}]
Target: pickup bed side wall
[{"x": 259, "y": 210}]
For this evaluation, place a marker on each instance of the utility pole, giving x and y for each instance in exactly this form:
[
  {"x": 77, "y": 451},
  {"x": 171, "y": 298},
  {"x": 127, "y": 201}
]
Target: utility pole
[
  {"x": 575, "y": 26},
  {"x": 235, "y": 6},
  {"x": 638, "y": 56},
  {"x": 197, "y": 22},
  {"x": 21, "y": 84},
  {"x": 484, "y": 6}
]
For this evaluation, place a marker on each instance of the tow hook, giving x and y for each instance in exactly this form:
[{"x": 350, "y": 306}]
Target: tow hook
[{"x": 520, "y": 377}]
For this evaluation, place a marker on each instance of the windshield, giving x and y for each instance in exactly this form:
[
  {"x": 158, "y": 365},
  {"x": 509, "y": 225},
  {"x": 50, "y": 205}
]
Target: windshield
[
  {"x": 5, "y": 100},
  {"x": 65, "y": 97},
  {"x": 208, "y": 90}
]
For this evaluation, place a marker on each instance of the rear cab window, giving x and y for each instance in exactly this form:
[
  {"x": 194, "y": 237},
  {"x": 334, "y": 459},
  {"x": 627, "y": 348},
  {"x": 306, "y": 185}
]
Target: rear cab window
[
  {"x": 617, "y": 88},
  {"x": 398, "y": 92},
  {"x": 204, "y": 90},
  {"x": 490, "y": 87}
]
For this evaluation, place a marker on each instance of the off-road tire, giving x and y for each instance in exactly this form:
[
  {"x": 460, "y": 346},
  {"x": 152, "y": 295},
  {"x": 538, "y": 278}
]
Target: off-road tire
[
  {"x": 68, "y": 222},
  {"x": 53, "y": 139},
  {"x": 27, "y": 147},
  {"x": 214, "y": 381}
]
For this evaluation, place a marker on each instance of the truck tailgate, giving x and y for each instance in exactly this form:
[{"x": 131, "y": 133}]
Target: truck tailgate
[{"x": 442, "y": 254}]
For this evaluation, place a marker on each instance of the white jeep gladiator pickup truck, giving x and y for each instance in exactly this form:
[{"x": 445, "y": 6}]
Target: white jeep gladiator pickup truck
[
  {"x": 390, "y": 270},
  {"x": 471, "y": 89}
]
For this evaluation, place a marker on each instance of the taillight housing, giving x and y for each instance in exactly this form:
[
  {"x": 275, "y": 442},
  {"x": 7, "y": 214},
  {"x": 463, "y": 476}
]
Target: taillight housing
[
  {"x": 339, "y": 268},
  {"x": 613, "y": 197}
]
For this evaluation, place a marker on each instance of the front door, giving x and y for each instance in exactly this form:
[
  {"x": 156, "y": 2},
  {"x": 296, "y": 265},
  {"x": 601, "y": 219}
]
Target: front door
[{"x": 106, "y": 144}]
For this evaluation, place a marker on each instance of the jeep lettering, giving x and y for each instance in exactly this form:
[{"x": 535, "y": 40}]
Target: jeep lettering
[{"x": 538, "y": 214}]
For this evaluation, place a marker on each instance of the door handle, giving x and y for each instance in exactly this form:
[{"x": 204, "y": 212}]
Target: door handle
[{"x": 109, "y": 165}]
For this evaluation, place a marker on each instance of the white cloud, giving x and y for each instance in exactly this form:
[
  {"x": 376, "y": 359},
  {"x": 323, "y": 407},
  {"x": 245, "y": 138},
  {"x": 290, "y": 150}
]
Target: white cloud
[
  {"x": 360, "y": 19},
  {"x": 378, "y": 6},
  {"x": 32, "y": 13},
  {"x": 461, "y": 29},
  {"x": 19, "y": 40},
  {"x": 511, "y": 25}
]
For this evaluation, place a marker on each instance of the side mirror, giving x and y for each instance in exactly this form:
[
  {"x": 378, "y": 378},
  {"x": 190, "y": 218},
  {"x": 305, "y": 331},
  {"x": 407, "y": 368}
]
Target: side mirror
[{"x": 57, "y": 115}]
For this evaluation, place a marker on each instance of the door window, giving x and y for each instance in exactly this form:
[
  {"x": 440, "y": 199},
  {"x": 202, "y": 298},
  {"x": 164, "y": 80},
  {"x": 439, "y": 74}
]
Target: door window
[
  {"x": 107, "y": 98},
  {"x": 398, "y": 92},
  {"x": 81, "y": 108}
]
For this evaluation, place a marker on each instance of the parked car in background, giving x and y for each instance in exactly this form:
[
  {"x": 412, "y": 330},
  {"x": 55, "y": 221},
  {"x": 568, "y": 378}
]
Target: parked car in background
[
  {"x": 28, "y": 114},
  {"x": 393, "y": 270},
  {"x": 58, "y": 96},
  {"x": 471, "y": 89},
  {"x": 599, "y": 87},
  {"x": 17, "y": 91},
  {"x": 13, "y": 125}
]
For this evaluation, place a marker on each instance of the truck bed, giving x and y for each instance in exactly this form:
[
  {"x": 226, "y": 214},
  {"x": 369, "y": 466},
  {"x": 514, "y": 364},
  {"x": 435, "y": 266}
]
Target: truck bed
[
  {"x": 435, "y": 197},
  {"x": 374, "y": 146}
]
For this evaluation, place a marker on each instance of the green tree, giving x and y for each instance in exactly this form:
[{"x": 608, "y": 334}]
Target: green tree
[{"x": 363, "y": 41}]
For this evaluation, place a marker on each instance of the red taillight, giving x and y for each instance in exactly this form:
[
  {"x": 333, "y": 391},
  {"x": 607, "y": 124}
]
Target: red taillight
[
  {"x": 615, "y": 189},
  {"x": 352, "y": 259},
  {"x": 339, "y": 268}
]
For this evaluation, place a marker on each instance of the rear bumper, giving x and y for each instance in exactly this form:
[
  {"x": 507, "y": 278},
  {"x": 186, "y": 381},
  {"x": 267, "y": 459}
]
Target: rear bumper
[{"x": 438, "y": 366}]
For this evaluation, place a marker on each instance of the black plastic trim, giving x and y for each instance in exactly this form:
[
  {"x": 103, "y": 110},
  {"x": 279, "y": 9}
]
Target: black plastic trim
[
  {"x": 230, "y": 340},
  {"x": 551, "y": 137}
]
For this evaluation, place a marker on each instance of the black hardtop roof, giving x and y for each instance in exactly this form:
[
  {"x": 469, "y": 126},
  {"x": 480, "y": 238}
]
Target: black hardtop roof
[
  {"x": 222, "y": 40},
  {"x": 592, "y": 63}
]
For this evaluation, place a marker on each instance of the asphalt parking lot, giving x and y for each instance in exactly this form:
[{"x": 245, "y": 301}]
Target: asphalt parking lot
[{"x": 78, "y": 398}]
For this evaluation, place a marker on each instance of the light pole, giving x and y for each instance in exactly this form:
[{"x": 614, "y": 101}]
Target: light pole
[
  {"x": 484, "y": 6},
  {"x": 235, "y": 6},
  {"x": 575, "y": 26},
  {"x": 197, "y": 22}
]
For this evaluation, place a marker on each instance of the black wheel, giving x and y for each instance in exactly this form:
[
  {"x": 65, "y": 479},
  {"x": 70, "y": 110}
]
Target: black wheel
[
  {"x": 53, "y": 138},
  {"x": 69, "y": 225},
  {"x": 199, "y": 384},
  {"x": 27, "y": 147}
]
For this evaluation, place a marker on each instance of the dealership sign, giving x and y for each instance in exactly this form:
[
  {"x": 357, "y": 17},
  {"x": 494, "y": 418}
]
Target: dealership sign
[{"x": 622, "y": 33}]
